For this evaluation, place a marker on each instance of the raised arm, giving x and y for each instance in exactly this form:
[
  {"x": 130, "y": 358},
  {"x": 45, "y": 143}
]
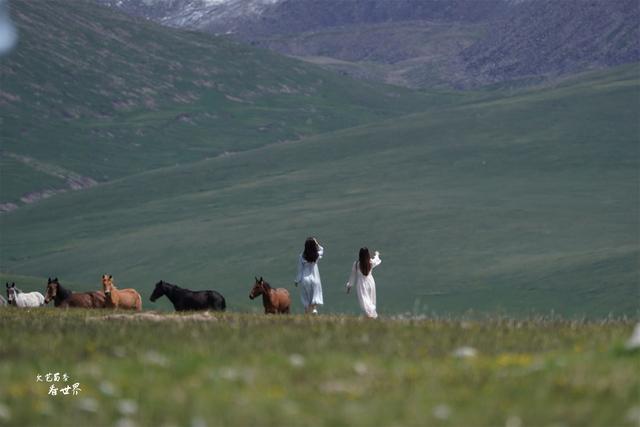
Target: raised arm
[
  {"x": 376, "y": 261},
  {"x": 352, "y": 276}
]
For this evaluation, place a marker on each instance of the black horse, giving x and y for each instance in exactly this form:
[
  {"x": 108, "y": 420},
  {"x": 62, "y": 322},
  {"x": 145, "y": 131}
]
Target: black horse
[{"x": 185, "y": 299}]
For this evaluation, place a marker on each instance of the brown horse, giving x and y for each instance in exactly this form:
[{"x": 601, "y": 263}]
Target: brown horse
[
  {"x": 274, "y": 300},
  {"x": 126, "y": 299},
  {"x": 64, "y": 298}
]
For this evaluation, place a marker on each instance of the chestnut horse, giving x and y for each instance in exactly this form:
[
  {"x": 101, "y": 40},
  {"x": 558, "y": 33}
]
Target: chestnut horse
[
  {"x": 65, "y": 298},
  {"x": 274, "y": 300},
  {"x": 126, "y": 299}
]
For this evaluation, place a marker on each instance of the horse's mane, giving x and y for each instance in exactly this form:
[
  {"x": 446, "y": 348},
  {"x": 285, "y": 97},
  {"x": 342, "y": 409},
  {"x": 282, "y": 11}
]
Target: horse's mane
[
  {"x": 266, "y": 285},
  {"x": 64, "y": 292},
  {"x": 178, "y": 288},
  {"x": 113, "y": 284},
  {"x": 173, "y": 287}
]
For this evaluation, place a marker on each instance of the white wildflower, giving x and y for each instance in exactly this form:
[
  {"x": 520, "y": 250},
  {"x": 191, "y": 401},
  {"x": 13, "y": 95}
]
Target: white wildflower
[
  {"x": 360, "y": 368},
  {"x": 442, "y": 412},
  {"x": 296, "y": 360},
  {"x": 465, "y": 352},
  {"x": 127, "y": 407}
]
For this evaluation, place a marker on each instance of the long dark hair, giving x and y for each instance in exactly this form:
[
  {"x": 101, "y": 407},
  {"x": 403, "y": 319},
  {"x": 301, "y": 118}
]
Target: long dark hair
[
  {"x": 310, "y": 253},
  {"x": 364, "y": 259}
]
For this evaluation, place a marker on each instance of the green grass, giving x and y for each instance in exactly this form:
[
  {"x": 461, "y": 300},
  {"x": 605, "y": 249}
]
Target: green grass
[
  {"x": 520, "y": 204},
  {"x": 254, "y": 370},
  {"x": 19, "y": 179}
]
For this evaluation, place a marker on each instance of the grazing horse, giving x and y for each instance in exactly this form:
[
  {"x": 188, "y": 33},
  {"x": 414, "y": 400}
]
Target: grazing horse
[
  {"x": 127, "y": 299},
  {"x": 185, "y": 299},
  {"x": 20, "y": 299},
  {"x": 275, "y": 301},
  {"x": 65, "y": 298}
]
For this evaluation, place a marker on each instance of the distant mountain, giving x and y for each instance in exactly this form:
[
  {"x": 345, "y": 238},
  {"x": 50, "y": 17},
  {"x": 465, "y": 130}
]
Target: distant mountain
[
  {"x": 549, "y": 37},
  {"x": 422, "y": 43},
  {"x": 252, "y": 18},
  {"x": 216, "y": 15}
]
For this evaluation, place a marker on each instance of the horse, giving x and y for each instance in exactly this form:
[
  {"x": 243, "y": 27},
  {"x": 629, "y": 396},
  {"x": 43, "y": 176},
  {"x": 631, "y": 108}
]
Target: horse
[
  {"x": 127, "y": 299},
  {"x": 275, "y": 301},
  {"x": 20, "y": 299},
  {"x": 185, "y": 299},
  {"x": 64, "y": 298}
]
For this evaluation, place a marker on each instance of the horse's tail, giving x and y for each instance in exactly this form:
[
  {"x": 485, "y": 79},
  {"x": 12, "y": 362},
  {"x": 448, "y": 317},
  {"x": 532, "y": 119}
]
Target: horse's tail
[{"x": 218, "y": 301}]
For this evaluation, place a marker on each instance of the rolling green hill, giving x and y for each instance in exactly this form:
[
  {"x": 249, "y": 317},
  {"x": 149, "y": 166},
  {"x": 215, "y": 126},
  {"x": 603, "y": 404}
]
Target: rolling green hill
[
  {"x": 521, "y": 203},
  {"x": 100, "y": 95}
]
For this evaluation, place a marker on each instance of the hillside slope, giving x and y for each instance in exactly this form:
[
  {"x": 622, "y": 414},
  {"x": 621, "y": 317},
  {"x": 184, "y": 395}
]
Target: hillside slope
[
  {"x": 423, "y": 43},
  {"x": 521, "y": 203},
  {"x": 90, "y": 95}
]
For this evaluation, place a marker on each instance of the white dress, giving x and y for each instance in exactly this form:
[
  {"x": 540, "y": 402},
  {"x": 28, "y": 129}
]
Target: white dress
[
  {"x": 365, "y": 286},
  {"x": 309, "y": 280}
]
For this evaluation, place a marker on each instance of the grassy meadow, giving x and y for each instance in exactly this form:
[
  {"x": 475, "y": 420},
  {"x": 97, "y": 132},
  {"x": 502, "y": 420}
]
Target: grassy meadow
[
  {"x": 520, "y": 204},
  {"x": 243, "y": 369}
]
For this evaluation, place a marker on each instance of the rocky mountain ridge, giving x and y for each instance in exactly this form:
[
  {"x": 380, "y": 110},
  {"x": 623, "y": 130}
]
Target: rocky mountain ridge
[{"x": 421, "y": 43}]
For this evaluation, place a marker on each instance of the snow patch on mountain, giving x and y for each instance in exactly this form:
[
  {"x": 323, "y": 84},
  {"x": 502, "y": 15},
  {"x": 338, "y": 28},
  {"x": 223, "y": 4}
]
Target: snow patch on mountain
[{"x": 217, "y": 16}]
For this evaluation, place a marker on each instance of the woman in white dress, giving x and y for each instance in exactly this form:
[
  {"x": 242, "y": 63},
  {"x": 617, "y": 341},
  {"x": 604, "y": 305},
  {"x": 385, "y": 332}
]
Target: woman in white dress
[
  {"x": 309, "y": 277},
  {"x": 364, "y": 282}
]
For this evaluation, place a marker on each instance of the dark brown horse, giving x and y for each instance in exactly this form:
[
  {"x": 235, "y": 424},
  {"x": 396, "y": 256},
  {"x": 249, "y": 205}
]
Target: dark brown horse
[
  {"x": 274, "y": 300},
  {"x": 186, "y": 299},
  {"x": 65, "y": 298}
]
